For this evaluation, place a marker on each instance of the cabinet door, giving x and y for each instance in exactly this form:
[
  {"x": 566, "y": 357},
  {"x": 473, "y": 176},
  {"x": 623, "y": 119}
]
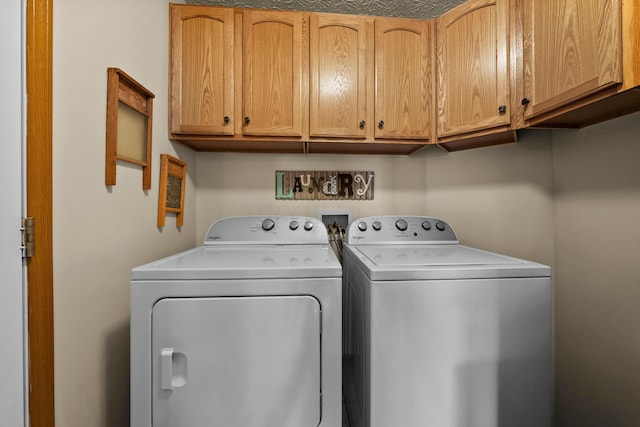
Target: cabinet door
[
  {"x": 472, "y": 67},
  {"x": 273, "y": 51},
  {"x": 338, "y": 76},
  {"x": 572, "y": 49},
  {"x": 201, "y": 75},
  {"x": 403, "y": 78}
]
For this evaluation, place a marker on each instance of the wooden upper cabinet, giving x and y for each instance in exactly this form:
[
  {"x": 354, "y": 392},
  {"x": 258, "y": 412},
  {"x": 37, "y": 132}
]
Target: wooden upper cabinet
[
  {"x": 473, "y": 67},
  {"x": 201, "y": 70},
  {"x": 337, "y": 93},
  {"x": 273, "y": 52},
  {"x": 403, "y": 78},
  {"x": 572, "y": 49}
]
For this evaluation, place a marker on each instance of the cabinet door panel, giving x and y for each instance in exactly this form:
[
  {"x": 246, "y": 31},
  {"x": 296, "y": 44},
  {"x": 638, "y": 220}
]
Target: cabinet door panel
[
  {"x": 337, "y": 92},
  {"x": 403, "y": 78},
  {"x": 272, "y": 55},
  {"x": 201, "y": 70},
  {"x": 472, "y": 67},
  {"x": 572, "y": 49}
]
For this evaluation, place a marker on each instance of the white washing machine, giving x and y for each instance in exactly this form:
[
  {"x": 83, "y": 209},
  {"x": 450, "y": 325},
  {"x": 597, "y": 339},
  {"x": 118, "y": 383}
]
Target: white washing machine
[
  {"x": 244, "y": 331},
  {"x": 437, "y": 334}
]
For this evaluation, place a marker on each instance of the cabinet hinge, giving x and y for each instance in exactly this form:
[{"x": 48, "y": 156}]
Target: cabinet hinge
[{"x": 27, "y": 228}]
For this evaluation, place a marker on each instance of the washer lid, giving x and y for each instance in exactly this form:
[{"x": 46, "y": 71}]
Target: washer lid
[
  {"x": 412, "y": 262},
  {"x": 386, "y": 256},
  {"x": 244, "y": 262}
]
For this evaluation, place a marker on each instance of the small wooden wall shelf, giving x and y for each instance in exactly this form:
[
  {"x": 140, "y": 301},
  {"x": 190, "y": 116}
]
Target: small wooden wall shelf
[
  {"x": 173, "y": 173},
  {"x": 129, "y": 124}
]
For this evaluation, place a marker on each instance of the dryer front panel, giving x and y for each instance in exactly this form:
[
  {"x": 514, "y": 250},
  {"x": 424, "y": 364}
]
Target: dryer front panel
[{"x": 236, "y": 362}]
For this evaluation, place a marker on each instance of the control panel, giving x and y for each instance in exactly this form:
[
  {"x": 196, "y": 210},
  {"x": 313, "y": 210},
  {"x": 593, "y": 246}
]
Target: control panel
[
  {"x": 400, "y": 230},
  {"x": 274, "y": 229}
]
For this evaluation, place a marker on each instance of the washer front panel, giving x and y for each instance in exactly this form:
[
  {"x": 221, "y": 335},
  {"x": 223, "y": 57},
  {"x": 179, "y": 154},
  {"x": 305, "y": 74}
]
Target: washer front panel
[{"x": 458, "y": 352}]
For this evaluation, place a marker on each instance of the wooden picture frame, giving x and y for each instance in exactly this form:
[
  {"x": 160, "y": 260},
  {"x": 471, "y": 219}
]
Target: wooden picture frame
[
  {"x": 173, "y": 174},
  {"x": 129, "y": 124}
]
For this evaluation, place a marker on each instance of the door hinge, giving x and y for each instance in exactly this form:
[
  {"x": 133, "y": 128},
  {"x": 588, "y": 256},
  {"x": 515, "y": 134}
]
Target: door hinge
[{"x": 28, "y": 246}]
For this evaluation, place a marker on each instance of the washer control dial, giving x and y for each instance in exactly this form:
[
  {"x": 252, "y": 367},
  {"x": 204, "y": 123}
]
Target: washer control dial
[
  {"x": 426, "y": 225},
  {"x": 293, "y": 225},
  {"x": 401, "y": 224},
  {"x": 308, "y": 225},
  {"x": 441, "y": 225},
  {"x": 268, "y": 224},
  {"x": 362, "y": 226},
  {"x": 377, "y": 225}
]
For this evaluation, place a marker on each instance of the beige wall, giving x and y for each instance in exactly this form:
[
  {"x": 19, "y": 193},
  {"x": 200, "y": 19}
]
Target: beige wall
[
  {"x": 244, "y": 184},
  {"x": 497, "y": 198},
  {"x": 596, "y": 174},
  {"x": 100, "y": 233}
]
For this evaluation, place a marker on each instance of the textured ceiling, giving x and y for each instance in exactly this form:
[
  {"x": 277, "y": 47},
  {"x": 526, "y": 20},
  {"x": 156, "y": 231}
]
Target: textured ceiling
[{"x": 421, "y": 9}]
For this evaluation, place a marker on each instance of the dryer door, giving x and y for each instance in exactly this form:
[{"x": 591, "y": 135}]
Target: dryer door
[{"x": 236, "y": 362}]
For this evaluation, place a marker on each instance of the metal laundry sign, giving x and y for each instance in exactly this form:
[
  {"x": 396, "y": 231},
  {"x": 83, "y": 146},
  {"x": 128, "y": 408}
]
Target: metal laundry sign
[{"x": 324, "y": 185}]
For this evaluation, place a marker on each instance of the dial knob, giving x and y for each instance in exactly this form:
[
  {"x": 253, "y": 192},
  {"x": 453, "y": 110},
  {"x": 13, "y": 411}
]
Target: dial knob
[
  {"x": 362, "y": 226},
  {"x": 293, "y": 225},
  {"x": 268, "y": 224},
  {"x": 426, "y": 225},
  {"x": 376, "y": 225},
  {"x": 401, "y": 224},
  {"x": 440, "y": 225},
  {"x": 308, "y": 225}
]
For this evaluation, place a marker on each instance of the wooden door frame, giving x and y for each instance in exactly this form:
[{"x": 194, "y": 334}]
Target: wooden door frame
[{"x": 39, "y": 88}]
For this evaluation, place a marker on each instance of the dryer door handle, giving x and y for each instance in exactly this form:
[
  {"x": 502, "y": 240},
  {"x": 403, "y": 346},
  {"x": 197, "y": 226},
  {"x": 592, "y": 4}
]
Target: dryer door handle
[
  {"x": 166, "y": 369},
  {"x": 173, "y": 369}
]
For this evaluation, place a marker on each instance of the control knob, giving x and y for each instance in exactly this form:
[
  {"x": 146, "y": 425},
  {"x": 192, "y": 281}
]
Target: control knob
[
  {"x": 308, "y": 225},
  {"x": 401, "y": 224},
  {"x": 376, "y": 225},
  {"x": 268, "y": 224},
  {"x": 440, "y": 225},
  {"x": 293, "y": 225},
  {"x": 362, "y": 226},
  {"x": 426, "y": 225}
]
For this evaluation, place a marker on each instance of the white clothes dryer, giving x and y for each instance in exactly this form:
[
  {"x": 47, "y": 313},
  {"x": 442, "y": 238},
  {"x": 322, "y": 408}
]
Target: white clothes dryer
[
  {"x": 244, "y": 331},
  {"x": 437, "y": 334}
]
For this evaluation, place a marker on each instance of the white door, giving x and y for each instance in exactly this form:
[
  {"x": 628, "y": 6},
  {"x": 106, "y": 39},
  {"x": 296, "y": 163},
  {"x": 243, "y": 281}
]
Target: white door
[
  {"x": 236, "y": 362},
  {"x": 12, "y": 396}
]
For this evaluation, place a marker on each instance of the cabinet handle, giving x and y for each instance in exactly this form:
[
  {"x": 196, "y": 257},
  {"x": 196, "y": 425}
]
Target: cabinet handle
[
  {"x": 525, "y": 101},
  {"x": 502, "y": 109},
  {"x": 362, "y": 123},
  {"x": 226, "y": 120},
  {"x": 247, "y": 120},
  {"x": 381, "y": 124}
]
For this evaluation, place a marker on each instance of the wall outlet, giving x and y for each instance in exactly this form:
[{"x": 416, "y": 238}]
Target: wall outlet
[{"x": 341, "y": 217}]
